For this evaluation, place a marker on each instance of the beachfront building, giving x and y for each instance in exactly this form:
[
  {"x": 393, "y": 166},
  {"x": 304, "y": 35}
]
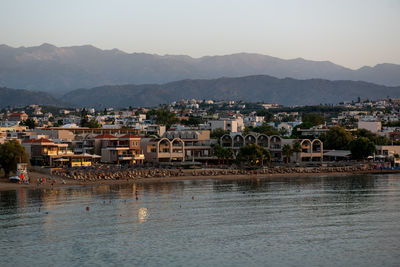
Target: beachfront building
[
  {"x": 44, "y": 151},
  {"x": 163, "y": 150},
  {"x": 387, "y": 152},
  {"x": 124, "y": 150},
  {"x": 311, "y": 150},
  {"x": 237, "y": 140},
  {"x": 197, "y": 144}
]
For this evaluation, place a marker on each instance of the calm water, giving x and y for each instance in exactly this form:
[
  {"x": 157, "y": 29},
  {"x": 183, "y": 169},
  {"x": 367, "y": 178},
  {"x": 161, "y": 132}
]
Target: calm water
[{"x": 337, "y": 221}]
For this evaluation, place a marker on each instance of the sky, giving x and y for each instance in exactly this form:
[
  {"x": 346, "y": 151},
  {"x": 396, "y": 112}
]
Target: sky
[{"x": 352, "y": 33}]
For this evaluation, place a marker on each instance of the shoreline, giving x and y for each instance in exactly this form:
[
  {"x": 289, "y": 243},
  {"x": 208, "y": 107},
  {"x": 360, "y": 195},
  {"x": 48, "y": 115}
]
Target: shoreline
[{"x": 6, "y": 186}]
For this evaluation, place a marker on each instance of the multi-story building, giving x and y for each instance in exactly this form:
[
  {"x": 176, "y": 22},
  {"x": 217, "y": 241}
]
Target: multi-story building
[
  {"x": 163, "y": 149},
  {"x": 237, "y": 140},
  {"x": 370, "y": 125},
  {"x": 311, "y": 150},
  {"x": 44, "y": 151},
  {"x": 120, "y": 150},
  {"x": 17, "y": 116},
  {"x": 197, "y": 143}
]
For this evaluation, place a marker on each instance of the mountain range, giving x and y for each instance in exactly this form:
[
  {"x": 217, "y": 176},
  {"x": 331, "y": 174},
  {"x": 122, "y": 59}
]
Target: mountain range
[
  {"x": 257, "y": 88},
  {"x": 61, "y": 69},
  {"x": 19, "y": 97},
  {"x": 267, "y": 89}
]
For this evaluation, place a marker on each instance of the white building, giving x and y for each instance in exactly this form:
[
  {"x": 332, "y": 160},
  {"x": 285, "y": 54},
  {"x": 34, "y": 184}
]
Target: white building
[
  {"x": 370, "y": 125},
  {"x": 231, "y": 125}
]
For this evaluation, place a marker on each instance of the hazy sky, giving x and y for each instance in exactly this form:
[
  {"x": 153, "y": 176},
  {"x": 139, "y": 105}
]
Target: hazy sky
[{"x": 347, "y": 32}]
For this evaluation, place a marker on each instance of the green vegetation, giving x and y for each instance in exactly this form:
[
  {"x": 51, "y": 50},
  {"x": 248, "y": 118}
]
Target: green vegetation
[
  {"x": 253, "y": 155},
  {"x": 374, "y": 138},
  {"x": 287, "y": 151},
  {"x": 265, "y": 129},
  {"x": 222, "y": 153},
  {"x": 218, "y": 133},
  {"x": 392, "y": 124},
  {"x": 30, "y": 123},
  {"x": 297, "y": 149},
  {"x": 312, "y": 119},
  {"x": 11, "y": 153},
  {"x": 163, "y": 117},
  {"x": 85, "y": 122},
  {"x": 361, "y": 148},
  {"x": 336, "y": 138},
  {"x": 193, "y": 121}
]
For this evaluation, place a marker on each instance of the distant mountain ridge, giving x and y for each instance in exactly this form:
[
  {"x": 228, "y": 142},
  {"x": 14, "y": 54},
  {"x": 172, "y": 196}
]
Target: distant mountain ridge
[
  {"x": 263, "y": 88},
  {"x": 61, "y": 69},
  {"x": 19, "y": 97}
]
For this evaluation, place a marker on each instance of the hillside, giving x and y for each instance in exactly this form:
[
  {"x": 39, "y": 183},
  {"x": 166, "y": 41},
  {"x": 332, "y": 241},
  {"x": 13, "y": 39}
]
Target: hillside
[
  {"x": 18, "y": 97},
  {"x": 61, "y": 69},
  {"x": 264, "y": 88}
]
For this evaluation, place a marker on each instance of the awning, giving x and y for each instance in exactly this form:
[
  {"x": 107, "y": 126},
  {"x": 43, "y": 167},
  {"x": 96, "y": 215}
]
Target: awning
[
  {"x": 338, "y": 153},
  {"x": 64, "y": 160}
]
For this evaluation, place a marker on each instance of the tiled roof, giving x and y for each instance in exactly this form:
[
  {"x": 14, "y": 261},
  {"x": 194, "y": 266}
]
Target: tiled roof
[
  {"x": 41, "y": 140},
  {"x": 16, "y": 114},
  {"x": 105, "y": 136},
  {"x": 129, "y": 136}
]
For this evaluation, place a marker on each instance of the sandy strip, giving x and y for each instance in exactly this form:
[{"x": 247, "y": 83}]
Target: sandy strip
[{"x": 5, "y": 185}]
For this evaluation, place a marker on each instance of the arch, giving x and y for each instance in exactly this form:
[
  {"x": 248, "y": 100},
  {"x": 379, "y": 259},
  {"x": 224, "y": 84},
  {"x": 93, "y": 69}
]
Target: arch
[
  {"x": 250, "y": 139},
  {"x": 306, "y": 146},
  {"x": 177, "y": 145},
  {"x": 275, "y": 142},
  {"x": 238, "y": 141},
  {"x": 262, "y": 140},
  {"x": 317, "y": 146},
  {"x": 164, "y": 145},
  {"x": 226, "y": 140}
]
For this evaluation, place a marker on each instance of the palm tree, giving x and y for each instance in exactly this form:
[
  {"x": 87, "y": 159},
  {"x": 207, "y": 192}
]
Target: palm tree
[
  {"x": 297, "y": 149},
  {"x": 253, "y": 155},
  {"x": 266, "y": 156},
  {"x": 227, "y": 153},
  {"x": 287, "y": 151}
]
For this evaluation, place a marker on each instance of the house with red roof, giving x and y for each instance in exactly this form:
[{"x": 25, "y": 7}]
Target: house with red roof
[{"x": 17, "y": 116}]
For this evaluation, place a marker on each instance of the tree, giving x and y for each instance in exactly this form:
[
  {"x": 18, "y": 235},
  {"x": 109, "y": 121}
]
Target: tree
[
  {"x": 287, "y": 152},
  {"x": 313, "y": 118},
  {"x": 163, "y": 117},
  {"x": 193, "y": 121},
  {"x": 11, "y": 153},
  {"x": 361, "y": 148},
  {"x": 253, "y": 155},
  {"x": 93, "y": 123},
  {"x": 247, "y": 130},
  {"x": 30, "y": 123},
  {"x": 376, "y": 139},
  {"x": 222, "y": 153},
  {"x": 266, "y": 129},
  {"x": 84, "y": 118},
  {"x": 268, "y": 116},
  {"x": 297, "y": 149},
  {"x": 283, "y": 131},
  {"x": 218, "y": 133},
  {"x": 337, "y": 138}
]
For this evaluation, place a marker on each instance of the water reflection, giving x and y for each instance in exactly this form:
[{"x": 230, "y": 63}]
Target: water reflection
[
  {"x": 142, "y": 214},
  {"x": 321, "y": 220}
]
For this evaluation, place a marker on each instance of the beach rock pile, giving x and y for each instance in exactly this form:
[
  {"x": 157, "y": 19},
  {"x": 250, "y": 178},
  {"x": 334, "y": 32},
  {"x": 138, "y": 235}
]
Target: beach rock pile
[
  {"x": 112, "y": 172},
  {"x": 109, "y": 172}
]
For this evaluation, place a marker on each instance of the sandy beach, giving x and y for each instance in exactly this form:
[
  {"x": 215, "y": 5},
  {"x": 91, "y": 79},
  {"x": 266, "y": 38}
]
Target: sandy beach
[{"x": 58, "y": 180}]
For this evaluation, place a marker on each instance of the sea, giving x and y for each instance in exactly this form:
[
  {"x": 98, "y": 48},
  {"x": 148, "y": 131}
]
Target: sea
[{"x": 307, "y": 221}]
